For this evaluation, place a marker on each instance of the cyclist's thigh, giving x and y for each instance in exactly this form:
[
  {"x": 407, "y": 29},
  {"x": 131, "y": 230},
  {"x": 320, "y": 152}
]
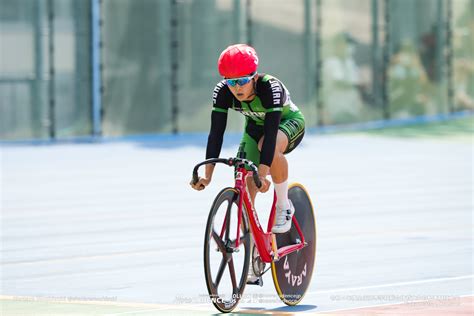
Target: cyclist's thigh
[
  {"x": 281, "y": 142},
  {"x": 293, "y": 129},
  {"x": 248, "y": 148}
]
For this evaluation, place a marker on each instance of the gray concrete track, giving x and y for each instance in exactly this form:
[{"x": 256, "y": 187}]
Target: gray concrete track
[{"x": 118, "y": 221}]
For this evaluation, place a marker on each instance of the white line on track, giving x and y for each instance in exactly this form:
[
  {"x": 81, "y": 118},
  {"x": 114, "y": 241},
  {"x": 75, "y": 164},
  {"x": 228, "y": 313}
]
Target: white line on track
[{"x": 462, "y": 277}]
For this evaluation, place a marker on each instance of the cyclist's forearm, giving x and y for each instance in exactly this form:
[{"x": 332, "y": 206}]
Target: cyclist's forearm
[
  {"x": 216, "y": 135},
  {"x": 209, "y": 171},
  {"x": 263, "y": 170},
  {"x": 272, "y": 120}
]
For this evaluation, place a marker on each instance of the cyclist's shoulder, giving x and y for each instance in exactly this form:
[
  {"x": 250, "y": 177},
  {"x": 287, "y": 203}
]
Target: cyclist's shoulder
[
  {"x": 266, "y": 78},
  {"x": 271, "y": 91},
  {"x": 268, "y": 83},
  {"x": 222, "y": 95},
  {"x": 221, "y": 86}
]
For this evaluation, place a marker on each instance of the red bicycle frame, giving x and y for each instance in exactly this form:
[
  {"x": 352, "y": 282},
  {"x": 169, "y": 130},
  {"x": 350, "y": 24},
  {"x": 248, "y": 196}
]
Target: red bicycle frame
[{"x": 264, "y": 241}]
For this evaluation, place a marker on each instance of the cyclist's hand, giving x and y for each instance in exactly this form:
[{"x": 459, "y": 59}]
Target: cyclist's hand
[
  {"x": 201, "y": 184},
  {"x": 265, "y": 184}
]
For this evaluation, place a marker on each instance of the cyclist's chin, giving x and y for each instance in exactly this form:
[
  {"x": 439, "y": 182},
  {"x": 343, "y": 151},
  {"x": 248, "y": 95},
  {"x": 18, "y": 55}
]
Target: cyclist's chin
[{"x": 243, "y": 97}]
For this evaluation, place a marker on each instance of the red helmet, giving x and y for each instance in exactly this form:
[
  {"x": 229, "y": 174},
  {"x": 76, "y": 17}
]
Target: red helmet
[{"x": 237, "y": 61}]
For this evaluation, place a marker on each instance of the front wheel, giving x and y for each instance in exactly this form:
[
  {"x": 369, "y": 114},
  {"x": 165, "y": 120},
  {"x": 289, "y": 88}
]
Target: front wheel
[
  {"x": 292, "y": 273},
  {"x": 225, "y": 265}
]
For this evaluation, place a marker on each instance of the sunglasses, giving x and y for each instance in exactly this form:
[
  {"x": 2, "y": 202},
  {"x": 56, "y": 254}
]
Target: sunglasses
[{"x": 240, "y": 81}]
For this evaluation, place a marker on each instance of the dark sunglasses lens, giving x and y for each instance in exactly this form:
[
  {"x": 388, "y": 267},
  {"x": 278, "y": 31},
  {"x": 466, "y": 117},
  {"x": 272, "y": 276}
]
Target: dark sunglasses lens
[
  {"x": 231, "y": 82},
  {"x": 243, "y": 81},
  {"x": 240, "y": 82}
]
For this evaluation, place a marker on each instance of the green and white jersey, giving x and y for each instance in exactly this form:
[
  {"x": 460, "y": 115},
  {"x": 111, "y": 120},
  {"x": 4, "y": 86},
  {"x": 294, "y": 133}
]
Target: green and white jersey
[
  {"x": 270, "y": 110},
  {"x": 271, "y": 95}
]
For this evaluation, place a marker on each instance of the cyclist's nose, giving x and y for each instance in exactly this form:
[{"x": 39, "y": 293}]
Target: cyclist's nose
[{"x": 239, "y": 87}]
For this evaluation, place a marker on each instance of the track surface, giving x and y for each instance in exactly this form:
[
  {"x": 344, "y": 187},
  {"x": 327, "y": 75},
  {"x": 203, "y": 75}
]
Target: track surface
[{"x": 89, "y": 228}]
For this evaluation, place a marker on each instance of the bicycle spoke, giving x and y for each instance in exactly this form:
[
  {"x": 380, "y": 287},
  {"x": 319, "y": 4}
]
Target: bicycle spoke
[
  {"x": 219, "y": 241},
  {"x": 220, "y": 272},
  {"x": 232, "y": 274},
  {"x": 224, "y": 224}
]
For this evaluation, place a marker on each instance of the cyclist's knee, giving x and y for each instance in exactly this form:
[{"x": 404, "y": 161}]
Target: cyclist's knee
[{"x": 281, "y": 143}]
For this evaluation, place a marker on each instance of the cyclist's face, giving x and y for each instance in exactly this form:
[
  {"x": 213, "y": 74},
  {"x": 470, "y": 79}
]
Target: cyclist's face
[{"x": 245, "y": 92}]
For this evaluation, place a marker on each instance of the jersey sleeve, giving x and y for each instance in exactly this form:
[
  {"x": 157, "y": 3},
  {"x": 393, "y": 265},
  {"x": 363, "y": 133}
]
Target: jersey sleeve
[
  {"x": 272, "y": 96},
  {"x": 270, "y": 128},
  {"x": 221, "y": 98},
  {"x": 221, "y": 101},
  {"x": 216, "y": 134}
]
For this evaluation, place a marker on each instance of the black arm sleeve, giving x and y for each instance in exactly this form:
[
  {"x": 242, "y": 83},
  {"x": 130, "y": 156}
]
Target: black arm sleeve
[
  {"x": 216, "y": 135},
  {"x": 270, "y": 127}
]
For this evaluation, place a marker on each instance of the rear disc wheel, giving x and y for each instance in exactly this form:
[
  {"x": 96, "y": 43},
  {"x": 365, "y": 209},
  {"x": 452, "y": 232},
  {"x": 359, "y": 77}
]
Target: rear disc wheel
[{"x": 292, "y": 273}]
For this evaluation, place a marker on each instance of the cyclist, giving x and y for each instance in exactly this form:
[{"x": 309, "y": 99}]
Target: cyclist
[{"x": 274, "y": 125}]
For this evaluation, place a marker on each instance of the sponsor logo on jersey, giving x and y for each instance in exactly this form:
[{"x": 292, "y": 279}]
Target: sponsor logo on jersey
[
  {"x": 254, "y": 115},
  {"x": 218, "y": 88},
  {"x": 276, "y": 91}
]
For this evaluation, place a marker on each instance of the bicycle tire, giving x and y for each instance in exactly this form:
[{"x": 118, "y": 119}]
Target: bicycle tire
[
  {"x": 292, "y": 274},
  {"x": 220, "y": 301}
]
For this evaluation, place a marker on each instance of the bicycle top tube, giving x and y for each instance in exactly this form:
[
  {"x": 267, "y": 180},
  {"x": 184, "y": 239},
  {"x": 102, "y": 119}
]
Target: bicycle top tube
[{"x": 233, "y": 161}]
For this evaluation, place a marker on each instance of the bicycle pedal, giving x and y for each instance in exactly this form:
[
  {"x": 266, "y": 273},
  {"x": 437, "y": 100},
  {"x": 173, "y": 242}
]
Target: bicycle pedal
[{"x": 256, "y": 281}]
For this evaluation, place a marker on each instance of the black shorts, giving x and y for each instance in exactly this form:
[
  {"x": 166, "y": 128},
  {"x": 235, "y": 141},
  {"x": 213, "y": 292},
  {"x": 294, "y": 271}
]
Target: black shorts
[{"x": 293, "y": 128}]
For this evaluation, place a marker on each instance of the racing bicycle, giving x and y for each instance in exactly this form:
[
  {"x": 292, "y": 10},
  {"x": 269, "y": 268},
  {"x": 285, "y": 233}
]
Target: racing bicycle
[{"x": 236, "y": 242}]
